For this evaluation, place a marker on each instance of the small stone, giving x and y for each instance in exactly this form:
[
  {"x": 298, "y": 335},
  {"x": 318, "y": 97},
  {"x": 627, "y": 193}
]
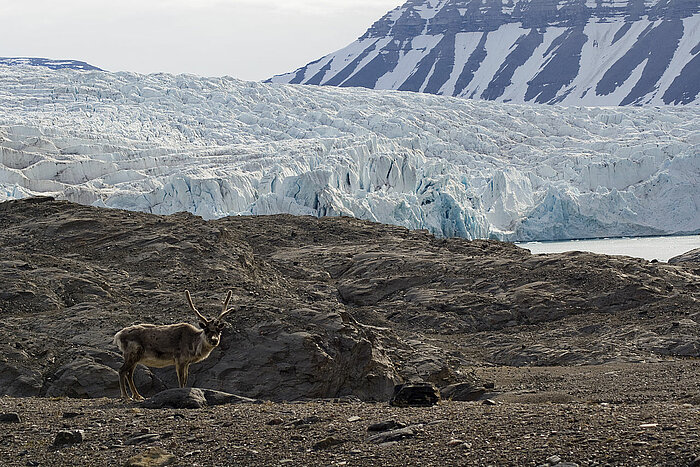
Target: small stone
[
  {"x": 311, "y": 419},
  {"x": 386, "y": 425},
  {"x": 455, "y": 442},
  {"x": 553, "y": 460},
  {"x": 71, "y": 414},
  {"x": 395, "y": 435},
  {"x": 142, "y": 439},
  {"x": 327, "y": 442},
  {"x": 354, "y": 418},
  {"x": 275, "y": 421},
  {"x": 10, "y": 418},
  {"x": 68, "y": 437},
  {"x": 153, "y": 457},
  {"x": 489, "y": 402},
  {"x": 648, "y": 425}
]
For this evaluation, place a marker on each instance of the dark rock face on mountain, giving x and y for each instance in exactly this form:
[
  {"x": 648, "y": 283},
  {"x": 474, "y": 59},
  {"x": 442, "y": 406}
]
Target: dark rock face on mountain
[
  {"x": 327, "y": 307},
  {"x": 603, "y": 52},
  {"x": 48, "y": 63}
]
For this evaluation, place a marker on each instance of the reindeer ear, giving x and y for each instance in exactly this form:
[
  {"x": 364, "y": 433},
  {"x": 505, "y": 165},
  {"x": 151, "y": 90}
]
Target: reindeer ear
[{"x": 202, "y": 325}]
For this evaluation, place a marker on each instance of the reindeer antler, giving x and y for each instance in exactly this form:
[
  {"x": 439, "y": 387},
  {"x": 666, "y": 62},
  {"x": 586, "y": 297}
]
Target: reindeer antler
[
  {"x": 224, "y": 310},
  {"x": 189, "y": 299}
]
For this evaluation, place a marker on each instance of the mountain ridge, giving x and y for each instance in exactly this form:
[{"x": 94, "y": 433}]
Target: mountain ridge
[
  {"x": 50, "y": 63},
  {"x": 573, "y": 52}
]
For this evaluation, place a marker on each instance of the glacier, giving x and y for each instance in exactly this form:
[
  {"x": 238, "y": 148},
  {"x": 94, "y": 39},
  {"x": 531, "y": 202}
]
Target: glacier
[{"x": 219, "y": 146}]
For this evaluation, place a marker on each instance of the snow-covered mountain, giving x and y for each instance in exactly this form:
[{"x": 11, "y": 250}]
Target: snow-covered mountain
[
  {"x": 47, "y": 62},
  {"x": 574, "y": 52},
  {"x": 218, "y": 146}
]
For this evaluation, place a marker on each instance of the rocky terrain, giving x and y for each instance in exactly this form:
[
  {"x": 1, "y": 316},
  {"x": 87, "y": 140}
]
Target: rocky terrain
[{"x": 587, "y": 358}]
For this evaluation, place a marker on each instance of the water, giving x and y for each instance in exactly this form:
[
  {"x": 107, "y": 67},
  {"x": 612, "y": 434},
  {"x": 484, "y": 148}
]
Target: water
[{"x": 660, "y": 248}]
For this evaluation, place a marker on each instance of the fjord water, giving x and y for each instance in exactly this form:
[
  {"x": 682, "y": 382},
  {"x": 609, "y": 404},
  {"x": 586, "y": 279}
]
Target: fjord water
[{"x": 659, "y": 248}]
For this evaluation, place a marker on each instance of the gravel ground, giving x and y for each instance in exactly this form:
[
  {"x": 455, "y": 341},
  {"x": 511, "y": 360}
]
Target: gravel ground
[{"x": 631, "y": 414}]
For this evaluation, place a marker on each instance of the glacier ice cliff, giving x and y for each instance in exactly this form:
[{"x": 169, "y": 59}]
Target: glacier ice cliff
[{"x": 219, "y": 146}]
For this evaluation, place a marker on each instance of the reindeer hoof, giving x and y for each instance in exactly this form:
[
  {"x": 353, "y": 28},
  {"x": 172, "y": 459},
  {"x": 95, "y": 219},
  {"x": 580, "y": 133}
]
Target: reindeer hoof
[{"x": 139, "y": 398}]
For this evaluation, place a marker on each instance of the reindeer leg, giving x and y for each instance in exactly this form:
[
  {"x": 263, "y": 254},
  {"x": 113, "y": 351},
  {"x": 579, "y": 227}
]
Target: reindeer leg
[
  {"x": 132, "y": 355},
  {"x": 122, "y": 382},
  {"x": 186, "y": 371},
  {"x": 134, "y": 391},
  {"x": 180, "y": 370}
]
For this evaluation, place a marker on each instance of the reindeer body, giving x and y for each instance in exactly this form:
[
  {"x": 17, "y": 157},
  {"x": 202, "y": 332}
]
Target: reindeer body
[{"x": 160, "y": 346}]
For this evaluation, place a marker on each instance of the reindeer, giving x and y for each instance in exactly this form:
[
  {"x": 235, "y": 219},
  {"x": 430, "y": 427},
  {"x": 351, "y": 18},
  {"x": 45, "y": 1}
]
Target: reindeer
[{"x": 175, "y": 344}]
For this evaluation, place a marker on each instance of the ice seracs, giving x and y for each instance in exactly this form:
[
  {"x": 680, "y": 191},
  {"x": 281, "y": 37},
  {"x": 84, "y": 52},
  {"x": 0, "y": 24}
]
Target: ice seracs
[{"x": 219, "y": 146}]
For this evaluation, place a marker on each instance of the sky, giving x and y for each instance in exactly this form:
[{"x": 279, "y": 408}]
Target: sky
[{"x": 246, "y": 39}]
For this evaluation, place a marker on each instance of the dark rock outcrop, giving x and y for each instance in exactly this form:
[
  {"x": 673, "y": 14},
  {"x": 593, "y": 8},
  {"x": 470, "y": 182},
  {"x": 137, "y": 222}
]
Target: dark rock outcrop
[
  {"x": 691, "y": 257},
  {"x": 325, "y": 308}
]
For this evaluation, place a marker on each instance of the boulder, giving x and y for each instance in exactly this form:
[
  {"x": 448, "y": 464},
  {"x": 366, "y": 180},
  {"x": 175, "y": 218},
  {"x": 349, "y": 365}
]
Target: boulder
[
  {"x": 84, "y": 378},
  {"x": 180, "y": 398},
  {"x": 462, "y": 392},
  {"x": 415, "y": 395},
  {"x": 66, "y": 437},
  {"x": 10, "y": 418},
  {"x": 192, "y": 398},
  {"x": 19, "y": 380},
  {"x": 313, "y": 353}
]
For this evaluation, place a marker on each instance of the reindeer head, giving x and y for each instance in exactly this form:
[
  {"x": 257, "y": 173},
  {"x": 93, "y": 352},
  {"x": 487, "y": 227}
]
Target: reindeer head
[{"x": 212, "y": 328}]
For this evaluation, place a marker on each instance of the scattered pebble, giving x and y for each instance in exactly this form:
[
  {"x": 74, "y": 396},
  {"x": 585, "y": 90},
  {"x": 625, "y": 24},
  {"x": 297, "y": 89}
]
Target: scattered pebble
[
  {"x": 327, "y": 442},
  {"x": 142, "y": 439},
  {"x": 386, "y": 425},
  {"x": 395, "y": 435}
]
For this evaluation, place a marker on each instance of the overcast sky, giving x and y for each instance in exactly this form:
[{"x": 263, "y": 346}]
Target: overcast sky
[{"x": 247, "y": 39}]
